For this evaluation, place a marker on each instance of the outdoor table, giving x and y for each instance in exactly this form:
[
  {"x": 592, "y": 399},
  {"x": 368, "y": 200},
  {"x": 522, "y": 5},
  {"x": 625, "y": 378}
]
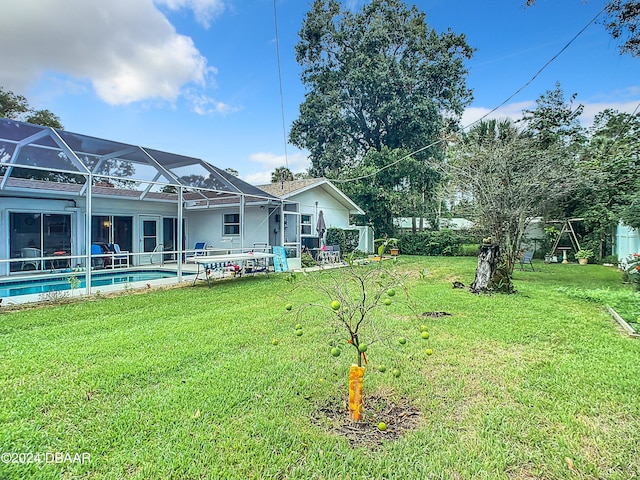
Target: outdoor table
[{"x": 204, "y": 260}]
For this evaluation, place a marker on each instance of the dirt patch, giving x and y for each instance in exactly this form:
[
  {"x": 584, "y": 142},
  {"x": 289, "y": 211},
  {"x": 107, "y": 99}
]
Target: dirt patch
[
  {"x": 435, "y": 314},
  {"x": 398, "y": 415}
]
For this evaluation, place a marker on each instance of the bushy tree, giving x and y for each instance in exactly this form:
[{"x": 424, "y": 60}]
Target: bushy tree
[
  {"x": 16, "y": 107},
  {"x": 379, "y": 81},
  {"x": 610, "y": 168}
]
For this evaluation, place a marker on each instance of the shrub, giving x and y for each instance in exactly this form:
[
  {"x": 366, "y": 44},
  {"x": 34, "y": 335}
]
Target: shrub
[
  {"x": 306, "y": 260},
  {"x": 469, "y": 249},
  {"x": 348, "y": 240},
  {"x": 438, "y": 242},
  {"x": 631, "y": 272}
]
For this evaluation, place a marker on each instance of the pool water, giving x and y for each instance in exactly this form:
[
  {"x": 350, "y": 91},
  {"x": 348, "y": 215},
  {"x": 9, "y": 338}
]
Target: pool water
[{"x": 43, "y": 285}]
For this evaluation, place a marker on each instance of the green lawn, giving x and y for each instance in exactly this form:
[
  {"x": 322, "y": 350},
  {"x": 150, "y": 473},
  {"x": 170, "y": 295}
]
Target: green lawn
[{"x": 185, "y": 383}]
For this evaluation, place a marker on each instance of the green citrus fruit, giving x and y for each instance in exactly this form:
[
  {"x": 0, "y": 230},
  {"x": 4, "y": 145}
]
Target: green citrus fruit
[
  {"x": 387, "y": 301},
  {"x": 298, "y": 326},
  {"x": 335, "y": 351},
  {"x": 424, "y": 335},
  {"x": 335, "y": 305},
  {"x": 428, "y": 351},
  {"x": 424, "y": 328},
  {"x": 274, "y": 341},
  {"x": 391, "y": 292},
  {"x": 288, "y": 306},
  {"x": 299, "y": 332},
  {"x": 382, "y": 368},
  {"x": 395, "y": 372},
  {"x": 382, "y": 426},
  {"x": 362, "y": 347},
  {"x": 402, "y": 340}
]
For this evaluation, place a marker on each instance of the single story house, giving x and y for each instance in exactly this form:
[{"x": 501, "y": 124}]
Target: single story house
[
  {"x": 315, "y": 195},
  {"x": 63, "y": 193}
]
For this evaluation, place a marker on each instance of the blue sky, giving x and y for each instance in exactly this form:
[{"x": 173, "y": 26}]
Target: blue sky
[{"x": 200, "y": 77}]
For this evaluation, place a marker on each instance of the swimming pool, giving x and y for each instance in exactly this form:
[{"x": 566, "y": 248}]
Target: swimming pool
[{"x": 34, "y": 286}]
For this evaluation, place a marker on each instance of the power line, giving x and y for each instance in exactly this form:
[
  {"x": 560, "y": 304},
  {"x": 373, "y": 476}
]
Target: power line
[
  {"x": 284, "y": 127},
  {"x": 519, "y": 90}
]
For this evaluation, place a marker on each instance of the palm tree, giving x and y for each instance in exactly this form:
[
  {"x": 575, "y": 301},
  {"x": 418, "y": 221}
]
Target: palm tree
[{"x": 281, "y": 174}]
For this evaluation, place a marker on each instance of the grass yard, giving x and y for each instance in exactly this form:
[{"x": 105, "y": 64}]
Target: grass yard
[{"x": 185, "y": 383}]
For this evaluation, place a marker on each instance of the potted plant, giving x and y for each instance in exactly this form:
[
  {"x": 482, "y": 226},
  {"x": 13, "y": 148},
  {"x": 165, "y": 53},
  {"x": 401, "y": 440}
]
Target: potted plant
[
  {"x": 583, "y": 255},
  {"x": 387, "y": 242}
]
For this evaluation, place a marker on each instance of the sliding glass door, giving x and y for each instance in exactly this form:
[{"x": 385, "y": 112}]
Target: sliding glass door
[{"x": 34, "y": 235}]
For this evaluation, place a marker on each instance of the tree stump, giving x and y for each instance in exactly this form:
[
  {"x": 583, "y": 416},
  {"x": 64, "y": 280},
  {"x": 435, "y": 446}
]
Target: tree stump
[{"x": 487, "y": 263}]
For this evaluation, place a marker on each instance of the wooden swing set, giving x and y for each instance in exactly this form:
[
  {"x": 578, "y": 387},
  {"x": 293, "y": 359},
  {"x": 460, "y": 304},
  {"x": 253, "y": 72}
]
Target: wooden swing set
[{"x": 567, "y": 227}]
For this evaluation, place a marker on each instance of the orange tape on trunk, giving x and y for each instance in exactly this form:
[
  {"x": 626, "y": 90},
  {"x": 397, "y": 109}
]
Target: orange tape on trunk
[{"x": 356, "y": 375}]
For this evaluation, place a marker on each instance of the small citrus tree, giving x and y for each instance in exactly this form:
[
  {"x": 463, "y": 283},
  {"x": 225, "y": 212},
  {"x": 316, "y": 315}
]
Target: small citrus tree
[{"x": 360, "y": 299}]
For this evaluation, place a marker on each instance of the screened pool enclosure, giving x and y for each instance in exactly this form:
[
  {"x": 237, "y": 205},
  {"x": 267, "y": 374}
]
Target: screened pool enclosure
[{"x": 71, "y": 202}]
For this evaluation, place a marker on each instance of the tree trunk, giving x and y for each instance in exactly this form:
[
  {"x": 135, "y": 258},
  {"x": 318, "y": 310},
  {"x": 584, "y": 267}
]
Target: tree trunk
[
  {"x": 356, "y": 375},
  {"x": 487, "y": 262},
  {"x": 491, "y": 273}
]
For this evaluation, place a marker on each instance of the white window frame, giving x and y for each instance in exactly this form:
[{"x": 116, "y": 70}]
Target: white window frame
[
  {"x": 226, "y": 224},
  {"x": 303, "y": 224}
]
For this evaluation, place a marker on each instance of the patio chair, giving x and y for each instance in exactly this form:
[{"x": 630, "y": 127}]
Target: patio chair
[
  {"x": 98, "y": 258},
  {"x": 119, "y": 257},
  {"x": 325, "y": 254},
  {"x": 198, "y": 251},
  {"x": 526, "y": 258},
  {"x": 335, "y": 254},
  {"x": 30, "y": 252}
]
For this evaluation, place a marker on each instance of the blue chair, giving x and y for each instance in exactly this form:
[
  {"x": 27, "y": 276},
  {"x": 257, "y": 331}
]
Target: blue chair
[
  {"x": 98, "y": 259},
  {"x": 199, "y": 249}
]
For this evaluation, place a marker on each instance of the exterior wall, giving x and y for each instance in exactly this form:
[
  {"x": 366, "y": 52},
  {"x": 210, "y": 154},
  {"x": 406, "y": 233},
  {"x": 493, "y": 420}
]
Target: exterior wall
[
  {"x": 201, "y": 225},
  {"x": 365, "y": 244},
  {"x": 207, "y": 226},
  {"x": 335, "y": 214},
  {"x": 627, "y": 241}
]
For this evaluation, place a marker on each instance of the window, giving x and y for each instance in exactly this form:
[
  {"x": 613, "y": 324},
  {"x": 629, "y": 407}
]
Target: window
[
  {"x": 232, "y": 224},
  {"x": 305, "y": 224}
]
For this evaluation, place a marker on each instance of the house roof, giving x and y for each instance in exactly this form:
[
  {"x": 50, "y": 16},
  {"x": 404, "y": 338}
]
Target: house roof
[{"x": 289, "y": 189}]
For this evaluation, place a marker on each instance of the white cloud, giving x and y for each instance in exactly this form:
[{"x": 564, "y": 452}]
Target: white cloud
[
  {"x": 204, "y": 10},
  {"x": 297, "y": 162},
  {"x": 205, "y": 105},
  {"x": 592, "y": 109},
  {"x": 514, "y": 110},
  {"x": 126, "y": 49}
]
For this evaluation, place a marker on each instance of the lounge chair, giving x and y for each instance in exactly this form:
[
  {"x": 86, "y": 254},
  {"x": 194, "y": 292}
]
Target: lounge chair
[
  {"x": 119, "y": 257},
  {"x": 527, "y": 257}
]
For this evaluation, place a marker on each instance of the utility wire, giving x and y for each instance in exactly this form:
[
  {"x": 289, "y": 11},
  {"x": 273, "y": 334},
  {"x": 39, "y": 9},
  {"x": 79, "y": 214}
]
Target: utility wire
[
  {"x": 284, "y": 127},
  {"x": 437, "y": 142}
]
